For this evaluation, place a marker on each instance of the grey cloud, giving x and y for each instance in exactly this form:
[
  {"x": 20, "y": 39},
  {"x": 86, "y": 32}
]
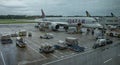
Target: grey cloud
[{"x": 60, "y": 7}]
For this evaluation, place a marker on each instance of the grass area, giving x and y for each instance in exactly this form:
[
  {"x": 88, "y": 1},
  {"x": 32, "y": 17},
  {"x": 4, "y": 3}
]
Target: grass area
[{"x": 15, "y": 21}]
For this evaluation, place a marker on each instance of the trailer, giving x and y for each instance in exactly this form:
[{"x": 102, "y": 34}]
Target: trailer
[{"x": 6, "y": 39}]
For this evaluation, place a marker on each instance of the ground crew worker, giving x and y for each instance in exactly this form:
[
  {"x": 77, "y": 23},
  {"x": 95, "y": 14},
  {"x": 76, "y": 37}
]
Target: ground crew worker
[
  {"x": 92, "y": 31},
  {"x": 29, "y": 34},
  {"x": 78, "y": 27},
  {"x": 66, "y": 28},
  {"x": 88, "y": 30}
]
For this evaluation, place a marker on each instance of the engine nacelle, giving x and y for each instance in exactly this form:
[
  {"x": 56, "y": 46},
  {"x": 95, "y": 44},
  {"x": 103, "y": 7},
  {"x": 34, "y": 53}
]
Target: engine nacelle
[{"x": 55, "y": 27}]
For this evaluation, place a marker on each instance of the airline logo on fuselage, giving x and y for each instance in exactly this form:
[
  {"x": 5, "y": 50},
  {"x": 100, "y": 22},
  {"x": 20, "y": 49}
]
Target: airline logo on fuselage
[{"x": 75, "y": 21}]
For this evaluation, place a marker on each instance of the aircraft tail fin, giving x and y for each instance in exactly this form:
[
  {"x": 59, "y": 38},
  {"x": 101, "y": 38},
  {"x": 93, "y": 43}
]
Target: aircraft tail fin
[
  {"x": 87, "y": 14},
  {"x": 43, "y": 14},
  {"x": 112, "y": 14}
]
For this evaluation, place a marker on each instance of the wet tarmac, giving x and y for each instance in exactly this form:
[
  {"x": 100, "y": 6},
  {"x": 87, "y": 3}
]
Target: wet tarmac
[{"x": 10, "y": 54}]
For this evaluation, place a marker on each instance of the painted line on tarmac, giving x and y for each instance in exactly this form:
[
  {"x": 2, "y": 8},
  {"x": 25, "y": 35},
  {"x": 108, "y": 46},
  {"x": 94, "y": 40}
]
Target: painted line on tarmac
[
  {"x": 56, "y": 50},
  {"x": 32, "y": 43},
  {"x": 59, "y": 52},
  {"x": 37, "y": 51},
  {"x": 67, "y": 57},
  {"x": 108, "y": 60},
  {"x": 3, "y": 58},
  {"x": 43, "y": 55},
  {"x": 54, "y": 55},
  {"x": 28, "y": 62}
]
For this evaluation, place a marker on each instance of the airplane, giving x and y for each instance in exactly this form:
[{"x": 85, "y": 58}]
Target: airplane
[
  {"x": 112, "y": 20},
  {"x": 56, "y": 23}
]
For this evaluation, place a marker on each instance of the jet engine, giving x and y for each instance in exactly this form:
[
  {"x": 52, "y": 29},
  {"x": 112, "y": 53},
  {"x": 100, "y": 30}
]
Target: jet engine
[{"x": 55, "y": 27}]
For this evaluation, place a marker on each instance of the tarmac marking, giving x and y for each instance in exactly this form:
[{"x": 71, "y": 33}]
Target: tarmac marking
[
  {"x": 37, "y": 51},
  {"x": 56, "y": 50},
  {"x": 54, "y": 55},
  {"x": 32, "y": 43},
  {"x": 67, "y": 57},
  {"x": 41, "y": 54},
  {"x": 51, "y": 54},
  {"x": 108, "y": 60},
  {"x": 59, "y": 52},
  {"x": 3, "y": 58},
  {"x": 28, "y": 62}
]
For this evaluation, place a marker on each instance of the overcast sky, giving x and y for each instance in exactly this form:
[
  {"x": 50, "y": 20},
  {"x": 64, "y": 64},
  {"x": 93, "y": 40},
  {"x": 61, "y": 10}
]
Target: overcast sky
[{"x": 59, "y": 7}]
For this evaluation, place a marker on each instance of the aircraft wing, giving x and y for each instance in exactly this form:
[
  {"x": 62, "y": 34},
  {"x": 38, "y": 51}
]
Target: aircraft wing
[{"x": 94, "y": 25}]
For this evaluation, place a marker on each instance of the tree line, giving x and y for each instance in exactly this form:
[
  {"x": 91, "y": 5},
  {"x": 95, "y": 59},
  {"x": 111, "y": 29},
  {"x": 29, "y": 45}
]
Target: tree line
[
  {"x": 24, "y": 16},
  {"x": 37, "y": 16}
]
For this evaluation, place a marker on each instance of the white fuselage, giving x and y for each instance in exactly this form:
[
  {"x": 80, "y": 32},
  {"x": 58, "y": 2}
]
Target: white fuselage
[{"x": 72, "y": 22}]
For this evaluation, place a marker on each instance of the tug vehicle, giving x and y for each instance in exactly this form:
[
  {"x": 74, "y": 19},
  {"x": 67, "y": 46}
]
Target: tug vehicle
[
  {"x": 47, "y": 36},
  {"x": 20, "y": 43},
  {"x": 46, "y": 48}
]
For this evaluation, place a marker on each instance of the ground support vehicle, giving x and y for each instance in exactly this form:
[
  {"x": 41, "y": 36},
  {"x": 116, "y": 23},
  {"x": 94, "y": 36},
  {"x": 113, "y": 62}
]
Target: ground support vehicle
[
  {"x": 46, "y": 48},
  {"x": 113, "y": 33},
  {"x": 47, "y": 36},
  {"x": 76, "y": 48},
  {"x": 6, "y": 39},
  {"x": 22, "y": 33},
  {"x": 60, "y": 45},
  {"x": 101, "y": 43},
  {"x": 73, "y": 44},
  {"x": 20, "y": 43}
]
